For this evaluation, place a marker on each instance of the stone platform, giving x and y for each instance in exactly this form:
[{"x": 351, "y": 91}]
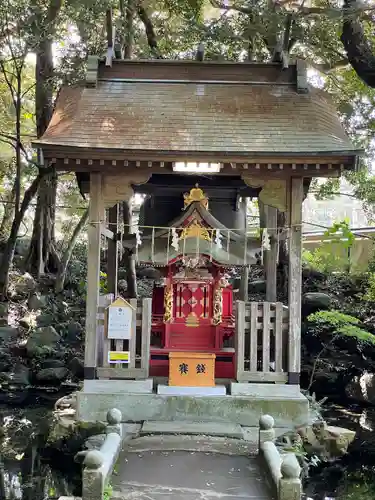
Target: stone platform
[
  {"x": 188, "y": 476},
  {"x": 284, "y": 402}
]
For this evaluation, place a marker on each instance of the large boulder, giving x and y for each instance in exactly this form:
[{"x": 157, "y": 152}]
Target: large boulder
[
  {"x": 52, "y": 375},
  {"x": 8, "y": 333},
  {"x": 36, "y": 301},
  {"x": 325, "y": 441},
  {"x": 24, "y": 284},
  {"x": 76, "y": 366},
  {"x": 150, "y": 273},
  {"x": 45, "y": 320},
  {"x": 42, "y": 341},
  {"x": 315, "y": 301},
  {"x": 257, "y": 286},
  {"x": 74, "y": 330},
  {"x": 18, "y": 375},
  {"x": 362, "y": 388},
  {"x": 53, "y": 363}
]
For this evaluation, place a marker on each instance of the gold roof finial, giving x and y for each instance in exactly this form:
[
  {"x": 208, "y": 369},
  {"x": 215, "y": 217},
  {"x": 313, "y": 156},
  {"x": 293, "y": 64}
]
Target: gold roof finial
[{"x": 196, "y": 194}]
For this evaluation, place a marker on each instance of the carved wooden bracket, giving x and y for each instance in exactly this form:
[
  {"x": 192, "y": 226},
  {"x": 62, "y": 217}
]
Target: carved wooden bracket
[
  {"x": 118, "y": 188},
  {"x": 273, "y": 191}
]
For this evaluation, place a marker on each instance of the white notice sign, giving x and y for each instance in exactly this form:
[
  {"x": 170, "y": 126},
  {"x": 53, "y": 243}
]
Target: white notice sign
[{"x": 120, "y": 318}]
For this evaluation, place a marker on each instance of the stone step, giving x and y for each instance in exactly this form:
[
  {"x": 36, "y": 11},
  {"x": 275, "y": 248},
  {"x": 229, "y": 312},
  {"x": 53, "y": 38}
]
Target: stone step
[
  {"x": 223, "y": 429},
  {"x": 180, "y": 442}
]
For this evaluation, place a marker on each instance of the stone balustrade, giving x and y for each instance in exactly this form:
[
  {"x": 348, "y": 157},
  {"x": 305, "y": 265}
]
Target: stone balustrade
[
  {"x": 284, "y": 469},
  {"x": 99, "y": 464}
]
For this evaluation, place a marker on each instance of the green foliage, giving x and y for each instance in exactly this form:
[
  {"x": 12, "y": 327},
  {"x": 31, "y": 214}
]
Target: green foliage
[
  {"x": 337, "y": 323},
  {"x": 103, "y": 283},
  {"x": 108, "y": 492},
  {"x": 332, "y": 319},
  {"x": 333, "y": 253},
  {"x": 370, "y": 288}
]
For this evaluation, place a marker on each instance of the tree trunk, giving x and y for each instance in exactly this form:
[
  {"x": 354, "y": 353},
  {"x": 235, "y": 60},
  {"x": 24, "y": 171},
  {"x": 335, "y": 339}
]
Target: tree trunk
[
  {"x": 10, "y": 245},
  {"x": 128, "y": 259},
  {"x": 357, "y": 46},
  {"x": 127, "y": 9},
  {"x": 65, "y": 259},
  {"x": 8, "y": 215},
  {"x": 40, "y": 258}
]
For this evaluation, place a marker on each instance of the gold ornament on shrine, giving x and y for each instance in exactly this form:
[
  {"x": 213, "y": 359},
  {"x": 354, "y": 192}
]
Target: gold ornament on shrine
[
  {"x": 168, "y": 303},
  {"x": 196, "y": 230},
  {"x": 196, "y": 194},
  {"x": 217, "y": 316}
]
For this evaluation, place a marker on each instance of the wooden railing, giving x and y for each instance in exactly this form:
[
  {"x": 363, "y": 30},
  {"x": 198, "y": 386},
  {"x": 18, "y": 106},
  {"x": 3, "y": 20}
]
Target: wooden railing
[
  {"x": 261, "y": 342},
  {"x": 138, "y": 345}
]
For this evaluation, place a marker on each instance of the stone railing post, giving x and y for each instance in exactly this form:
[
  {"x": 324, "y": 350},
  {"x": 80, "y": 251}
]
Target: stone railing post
[
  {"x": 266, "y": 429},
  {"x": 99, "y": 464},
  {"x": 290, "y": 486}
]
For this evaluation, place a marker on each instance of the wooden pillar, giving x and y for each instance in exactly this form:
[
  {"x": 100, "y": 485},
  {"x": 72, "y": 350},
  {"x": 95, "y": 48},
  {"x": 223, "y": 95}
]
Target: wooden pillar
[
  {"x": 112, "y": 255},
  {"x": 96, "y": 213},
  {"x": 244, "y": 280},
  {"x": 270, "y": 258},
  {"x": 295, "y": 278},
  {"x": 244, "y": 285}
]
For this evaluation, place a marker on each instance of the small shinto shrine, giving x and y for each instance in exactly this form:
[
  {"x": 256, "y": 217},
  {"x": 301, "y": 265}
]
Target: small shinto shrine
[
  {"x": 198, "y": 139},
  {"x": 193, "y": 308}
]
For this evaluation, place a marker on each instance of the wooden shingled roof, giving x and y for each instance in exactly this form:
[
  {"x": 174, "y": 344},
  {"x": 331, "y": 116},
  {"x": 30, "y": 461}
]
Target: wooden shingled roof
[{"x": 170, "y": 110}]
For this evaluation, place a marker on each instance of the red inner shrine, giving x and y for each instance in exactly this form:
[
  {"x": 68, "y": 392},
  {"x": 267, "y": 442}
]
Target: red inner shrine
[
  {"x": 193, "y": 326},
  {"x": 192, "y": 308}
]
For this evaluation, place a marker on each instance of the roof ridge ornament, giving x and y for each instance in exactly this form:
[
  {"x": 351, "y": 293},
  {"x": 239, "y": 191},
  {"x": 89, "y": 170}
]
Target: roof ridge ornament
[{"x": 196, "y": 194}]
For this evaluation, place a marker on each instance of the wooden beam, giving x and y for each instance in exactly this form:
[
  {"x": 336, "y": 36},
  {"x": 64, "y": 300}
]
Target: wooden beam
[
  {"x": 96, "y": 213},
  {"x": 271, "y": 255},
  {"x": 295, "y": 279},
  {"x": 113, "y": 250}
]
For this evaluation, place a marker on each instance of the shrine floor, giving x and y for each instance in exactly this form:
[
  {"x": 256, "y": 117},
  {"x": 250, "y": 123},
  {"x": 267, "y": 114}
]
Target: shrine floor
[{"x": 188, "y": 475}]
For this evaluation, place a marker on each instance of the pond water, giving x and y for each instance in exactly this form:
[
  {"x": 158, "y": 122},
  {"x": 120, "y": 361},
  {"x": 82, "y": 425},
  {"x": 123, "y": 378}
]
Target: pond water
[{"x": 31, "y": 469}]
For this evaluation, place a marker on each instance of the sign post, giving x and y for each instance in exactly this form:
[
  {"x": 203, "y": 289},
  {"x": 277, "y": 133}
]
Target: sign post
[{"x": 119, "y": 322}]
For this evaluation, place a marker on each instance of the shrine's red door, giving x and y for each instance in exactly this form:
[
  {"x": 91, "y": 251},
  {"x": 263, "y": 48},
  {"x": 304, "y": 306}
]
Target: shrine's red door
[{"x": 191, "y": 328}]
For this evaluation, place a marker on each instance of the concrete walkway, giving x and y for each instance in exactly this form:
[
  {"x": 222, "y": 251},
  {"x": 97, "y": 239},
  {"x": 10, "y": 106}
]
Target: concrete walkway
[{"x": 188, "y": 475}]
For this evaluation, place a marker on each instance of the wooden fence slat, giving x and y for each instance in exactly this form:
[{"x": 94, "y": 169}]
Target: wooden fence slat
[
  {"x": 104, "y": 343},
  {"x": 253, "y": 336},
  {"x": 266, "y": 337},
  {"x": 240, "y": 338},
  {"x": 279, "y": 338},
  {"x": 146, "y": 334},
  {"x": 133, "y": 340}
]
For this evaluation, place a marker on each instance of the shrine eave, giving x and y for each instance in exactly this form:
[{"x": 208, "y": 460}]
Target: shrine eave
[{"x": 318, "y": 164}]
